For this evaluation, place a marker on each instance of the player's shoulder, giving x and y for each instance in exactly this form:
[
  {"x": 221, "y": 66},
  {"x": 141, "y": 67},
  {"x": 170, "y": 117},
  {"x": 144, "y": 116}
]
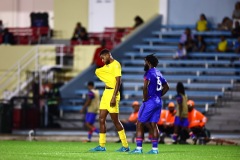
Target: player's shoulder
[{"x": 116, "y": 62}]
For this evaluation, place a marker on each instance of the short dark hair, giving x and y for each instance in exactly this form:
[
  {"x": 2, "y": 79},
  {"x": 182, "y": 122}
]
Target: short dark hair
[
  {"x": 104, "y": 51},
  {"x": 180, "y": 88},
  {"x": 90, "y": 83},
  {"x": 152, "y": 59}
]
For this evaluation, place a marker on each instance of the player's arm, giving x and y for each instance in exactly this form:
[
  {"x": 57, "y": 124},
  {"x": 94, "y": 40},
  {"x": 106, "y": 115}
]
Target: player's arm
[
  {"x": 87, "y": 103},
  {"x": 116, "y": 89},
  {"x": 202, "y": 118},
  {"x": 165, "y": 89},
  {"x": 145, "y": 90}
]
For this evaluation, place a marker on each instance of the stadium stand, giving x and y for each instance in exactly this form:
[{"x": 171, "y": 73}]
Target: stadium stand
[
  {"x": 31, "y": 35},
  {"x": 208, "y": 77}
]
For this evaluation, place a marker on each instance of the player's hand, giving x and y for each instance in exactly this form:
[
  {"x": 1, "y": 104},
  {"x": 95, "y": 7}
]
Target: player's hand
[{"x": 113, "y": 102}]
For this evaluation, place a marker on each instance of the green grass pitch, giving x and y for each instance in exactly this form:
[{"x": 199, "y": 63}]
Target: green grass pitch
[{"x": 38, "y": 150}]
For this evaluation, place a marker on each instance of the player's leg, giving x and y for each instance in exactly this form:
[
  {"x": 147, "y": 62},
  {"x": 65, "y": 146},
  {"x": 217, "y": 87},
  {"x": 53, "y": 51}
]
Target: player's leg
[
  {"x": 154, "y": 138},
  {"x": 102, "y": 123},
  {"x": 102, "y": 135},
  {"x": 139, "y": 135},
  {"x": 156, "y": 111},
  {"x": 89, "y": 121},
  {"x": 143, "y": 117},
  {"x": 148, "y": 128},
  {"x": 184, "y": 134},
  {"x": 177, "y": 123},
  {"x": 121, "y": 132}
]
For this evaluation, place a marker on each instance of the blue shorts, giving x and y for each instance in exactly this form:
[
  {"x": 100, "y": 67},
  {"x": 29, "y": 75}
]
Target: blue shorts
[
  {"x": 90, "y": 117},
  {"x": 150, "y": 110},
  {"x": 181, "y": 123}
]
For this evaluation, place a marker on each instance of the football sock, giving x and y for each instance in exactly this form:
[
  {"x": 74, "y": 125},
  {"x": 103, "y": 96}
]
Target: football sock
[
  {"x": 154, "y": 143},
  {"x": 139, "y": 141},
  {"x": 102, "y": 139},
  {"x": 123, "y": 138},
  {"x": 90, "y": 135}
]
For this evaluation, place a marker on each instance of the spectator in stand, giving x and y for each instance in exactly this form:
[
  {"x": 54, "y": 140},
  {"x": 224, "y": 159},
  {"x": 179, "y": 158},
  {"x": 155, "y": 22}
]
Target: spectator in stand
[
  {"x": 83, "y": 35},
  {"x": 96, "y": 58},
  {"x": 138, "y": 21},
  {"x": 166, "y": 122},
  {"x": 226, "y": 24},
  {"x": 197, "y": 122},
  {"x": 222, "y": 45},
  {"x": 7, "y": 37},
  {"x": 181, "y": 52},
  {"x": 236, "y": 13},
  {"x": 236, "y": 46},
  {"x": 200, "y": 45},
  {"x": 202, "y": 24},
  {"x": 236, "y": 30},
  {"x": 80, "y": 33},
  {"x": 1, "y": 27},
  {"x": 187, "y": 39}
]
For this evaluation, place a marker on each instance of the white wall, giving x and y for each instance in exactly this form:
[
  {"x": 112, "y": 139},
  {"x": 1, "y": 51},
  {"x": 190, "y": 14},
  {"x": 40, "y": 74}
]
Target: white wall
[
  {"x": 163, "y": 10},
  {"x": 16, "y": 13},
  {"x": 188, "y": 11},
  {"x": 101, "y": 14}
]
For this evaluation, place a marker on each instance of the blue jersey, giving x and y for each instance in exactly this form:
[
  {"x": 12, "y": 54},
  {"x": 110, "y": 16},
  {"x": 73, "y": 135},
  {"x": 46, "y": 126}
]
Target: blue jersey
[
  {"x": 91, "y": 94},
  {"x": 156, "y": 81}
]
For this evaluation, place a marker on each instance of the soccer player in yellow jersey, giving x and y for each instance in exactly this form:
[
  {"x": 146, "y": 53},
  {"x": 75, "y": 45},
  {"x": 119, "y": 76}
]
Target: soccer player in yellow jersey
[{"x": 110, "y": 74}]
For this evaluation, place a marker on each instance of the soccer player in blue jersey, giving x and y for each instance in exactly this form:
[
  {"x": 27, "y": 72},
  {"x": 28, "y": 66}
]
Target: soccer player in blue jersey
[
  {"x": 91, "y": 105},
  {"x": 155, "y": 86},
  {"x": 181, "y": 118}
]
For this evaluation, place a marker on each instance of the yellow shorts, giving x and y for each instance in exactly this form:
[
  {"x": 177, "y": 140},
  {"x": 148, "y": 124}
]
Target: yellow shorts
[{"x": 106, "y": 99}]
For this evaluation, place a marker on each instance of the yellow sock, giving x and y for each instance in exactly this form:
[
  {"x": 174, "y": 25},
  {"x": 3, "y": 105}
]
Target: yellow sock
[
  {"x": 102, "y": 139},
  {"x": 123, "y": 138}
]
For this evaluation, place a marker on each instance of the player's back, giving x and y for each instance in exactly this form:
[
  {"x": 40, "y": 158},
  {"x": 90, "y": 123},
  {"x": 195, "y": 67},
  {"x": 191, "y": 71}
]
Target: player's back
[{"x": 156, "y": 81}]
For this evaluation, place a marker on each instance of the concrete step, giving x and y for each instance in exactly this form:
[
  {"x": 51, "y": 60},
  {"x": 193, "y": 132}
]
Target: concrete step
[
  {"x": 79, "y": 116},
  {"x": 230, "y": 103},
  {"x": 232, "y": 119},
  {"x": 224, "y": 128}
]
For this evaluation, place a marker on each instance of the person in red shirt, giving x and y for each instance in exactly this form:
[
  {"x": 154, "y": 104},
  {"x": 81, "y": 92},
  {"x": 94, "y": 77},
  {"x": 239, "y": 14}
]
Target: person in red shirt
[
  {"x": 197, "y": 122},
  {"x": 96, "y": 58},
  {"x": 166, "y": 122}
]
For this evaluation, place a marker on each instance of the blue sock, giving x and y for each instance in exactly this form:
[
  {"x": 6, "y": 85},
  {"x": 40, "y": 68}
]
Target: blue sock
[
  {"x": 139, "y": 141},
  {"x": 96, "y": 130},
  {"x": 89, "y": 135},
  {"x": 154, "y": 143}
]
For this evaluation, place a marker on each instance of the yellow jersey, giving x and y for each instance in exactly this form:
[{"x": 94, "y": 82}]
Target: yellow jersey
[
  {"x": 108, "y": 73},
  {"x": 222, "y": 46},
  {"x": 202, "y": 26}
]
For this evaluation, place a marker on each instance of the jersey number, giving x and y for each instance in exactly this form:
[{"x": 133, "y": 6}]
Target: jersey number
[{"x": 159, "y": 84}]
